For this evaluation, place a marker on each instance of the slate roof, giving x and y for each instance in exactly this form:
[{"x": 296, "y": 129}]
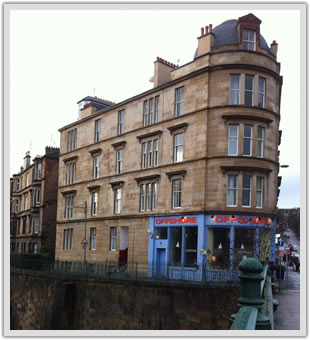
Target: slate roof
[
  {"x": 226, "y": 34},
  {"x": 96, "y": 100}
]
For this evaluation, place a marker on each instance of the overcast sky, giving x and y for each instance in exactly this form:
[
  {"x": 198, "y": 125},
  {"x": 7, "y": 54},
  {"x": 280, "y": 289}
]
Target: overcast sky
[{"x": 57, "y": 57}]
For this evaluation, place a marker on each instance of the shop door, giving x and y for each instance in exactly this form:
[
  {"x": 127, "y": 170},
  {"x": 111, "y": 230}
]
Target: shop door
[
  {"x": 123, "y": 249},
  {"x": 160, "y": 261}
]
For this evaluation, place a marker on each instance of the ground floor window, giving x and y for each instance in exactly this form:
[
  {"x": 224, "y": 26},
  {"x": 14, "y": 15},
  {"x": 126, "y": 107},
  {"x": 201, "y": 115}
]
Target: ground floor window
[
  {"x": 244, "y": 245},
  {"x": 218, "y": 248},
  {"x": 183, "y": 245}
]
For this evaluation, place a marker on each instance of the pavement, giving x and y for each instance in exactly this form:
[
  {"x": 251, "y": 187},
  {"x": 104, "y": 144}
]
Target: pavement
[{"x": 287, "y": 316}]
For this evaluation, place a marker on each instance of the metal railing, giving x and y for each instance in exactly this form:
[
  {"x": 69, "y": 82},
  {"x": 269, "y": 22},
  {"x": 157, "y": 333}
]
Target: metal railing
[
  {"x": 110, "y": 270},
  {"x": 256, "y": 302}
]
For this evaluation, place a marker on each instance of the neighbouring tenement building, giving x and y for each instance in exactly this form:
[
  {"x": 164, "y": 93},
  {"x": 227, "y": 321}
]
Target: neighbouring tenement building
[
  {"x": 33, "y": 196},
  {"x": 183, "y": 176}
]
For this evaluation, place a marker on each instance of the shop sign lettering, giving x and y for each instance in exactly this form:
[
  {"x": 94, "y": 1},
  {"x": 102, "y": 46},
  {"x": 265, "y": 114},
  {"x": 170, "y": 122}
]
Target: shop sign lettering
[
  {"x": 242, "y": 220},
  {"x": 178, "y": 220}
]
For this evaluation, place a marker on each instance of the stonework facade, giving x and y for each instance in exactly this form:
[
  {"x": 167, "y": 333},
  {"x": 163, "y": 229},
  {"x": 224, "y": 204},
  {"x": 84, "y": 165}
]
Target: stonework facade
[
  {"x": 202, "y": 143},
  {"x": 33, "y": 196}
]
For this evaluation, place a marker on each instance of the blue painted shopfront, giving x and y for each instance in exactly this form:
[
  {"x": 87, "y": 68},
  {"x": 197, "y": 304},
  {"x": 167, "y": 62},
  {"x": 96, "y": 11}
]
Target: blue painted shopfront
[{"x": 204, "y": 247}]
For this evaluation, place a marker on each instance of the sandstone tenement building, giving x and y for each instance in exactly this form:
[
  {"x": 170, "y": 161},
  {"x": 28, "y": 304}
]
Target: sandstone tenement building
[
  {"x": 184, "y": 175},
  {"x": 33, "y": 196}
]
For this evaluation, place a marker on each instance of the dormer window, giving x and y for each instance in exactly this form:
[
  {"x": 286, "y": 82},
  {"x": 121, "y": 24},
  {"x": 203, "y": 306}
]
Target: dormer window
[{"x": 249, "y": 40}]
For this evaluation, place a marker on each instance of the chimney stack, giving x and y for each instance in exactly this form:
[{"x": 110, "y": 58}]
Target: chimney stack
[
  {"x": 162, "y": 69},
  {"x": 27, "y": 160},
  {"x": 274, "y": 48},
  {"x": 206, "y": 41}
]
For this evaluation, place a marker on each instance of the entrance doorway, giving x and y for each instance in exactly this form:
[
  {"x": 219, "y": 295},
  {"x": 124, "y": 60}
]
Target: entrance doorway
[{"x": 123, "y": 248}]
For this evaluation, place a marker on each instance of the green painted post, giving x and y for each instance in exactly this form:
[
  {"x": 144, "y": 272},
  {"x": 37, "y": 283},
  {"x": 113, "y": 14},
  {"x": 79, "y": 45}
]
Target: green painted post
[{"x": 251, "y": 277}]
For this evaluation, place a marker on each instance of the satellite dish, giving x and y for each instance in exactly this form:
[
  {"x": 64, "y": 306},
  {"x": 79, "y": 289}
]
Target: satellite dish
[{"x": 151, "y": 79}]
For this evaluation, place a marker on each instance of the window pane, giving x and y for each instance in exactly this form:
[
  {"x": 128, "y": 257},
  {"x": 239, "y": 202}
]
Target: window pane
[
  {"x": 247, "y": 140},
  {"x": 249, "y": 82},
  {"x": 176, "y": 193},
  {"x": 191, "y": 246},
  {"x": 161, "y": 233},
  {"x": 246, "y": 190},
  {"x": 176, "y": 246},
  {"x": 232, "y": 190},
  {"x": 154, "y": 196},
  {"x": 235, "y": 89},
  {"x": 142, "y": 197}
]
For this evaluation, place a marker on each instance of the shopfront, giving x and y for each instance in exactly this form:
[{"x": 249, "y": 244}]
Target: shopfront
[{"x": 198, "y": 247}]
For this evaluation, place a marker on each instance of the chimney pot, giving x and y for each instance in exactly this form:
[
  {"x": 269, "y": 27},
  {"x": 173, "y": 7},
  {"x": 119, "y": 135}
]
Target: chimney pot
[
  {"x": 202, "y": 31},
  {"x": 210, "y": 28},
  {"x": 207, "y": 29}
]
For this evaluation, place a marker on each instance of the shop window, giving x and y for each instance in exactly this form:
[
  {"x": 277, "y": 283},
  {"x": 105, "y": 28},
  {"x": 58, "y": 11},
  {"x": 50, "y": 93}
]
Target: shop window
[
  {"x": 161, "y": 233},
  {"x": 176, "y": 246},
  {"x": 249, "y": 90},
  {"x": 247, "y": 140},
  {"x": 219, "y": 248},
  {"x": 246, "y": 191},
  {"x": 191, "y": 246},
  {"x": 244, "y": 245},
  {"x": 233, "y": 135},
  {"x": 249, "y": 40},
  {"x": 235, "y": 89}
]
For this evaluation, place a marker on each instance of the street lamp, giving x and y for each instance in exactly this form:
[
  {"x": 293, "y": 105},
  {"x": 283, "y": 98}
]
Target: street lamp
[{"x": 284, "y": 166}]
